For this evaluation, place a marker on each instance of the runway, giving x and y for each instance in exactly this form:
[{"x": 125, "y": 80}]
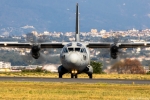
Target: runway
[{"x": 80, "y": 80}]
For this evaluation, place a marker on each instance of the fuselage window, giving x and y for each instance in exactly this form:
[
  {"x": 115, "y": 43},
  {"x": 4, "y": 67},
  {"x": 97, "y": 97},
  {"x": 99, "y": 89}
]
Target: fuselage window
[
  {"x": 65, "y": 50},
  {"x": 77, "y": 49},
  {"x": 70, "y": 49}
]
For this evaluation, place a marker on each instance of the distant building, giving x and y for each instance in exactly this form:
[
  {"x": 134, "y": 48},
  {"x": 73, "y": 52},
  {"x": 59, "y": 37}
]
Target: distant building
[
  {"x": 72, "y": 39},
  {"x": 35, "y": 33},
  {"x": 30, "y": 67},
  {"x": 46, "y": 33},
  {"x": 5, "y": 66},
  {"x": 133, "y": 30},
  {"x": 93, "y": 30},
  {"x": 103, "y": 31}
]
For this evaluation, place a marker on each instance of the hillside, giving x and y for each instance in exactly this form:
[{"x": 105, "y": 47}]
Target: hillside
[{"x": 59, "y": 15}]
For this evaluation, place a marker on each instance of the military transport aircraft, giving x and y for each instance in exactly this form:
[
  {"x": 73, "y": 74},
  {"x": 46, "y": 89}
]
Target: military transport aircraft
[{"x": 74, "y": 56}]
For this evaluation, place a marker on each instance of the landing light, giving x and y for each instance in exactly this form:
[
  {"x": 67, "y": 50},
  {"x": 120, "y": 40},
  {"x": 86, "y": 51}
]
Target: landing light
[{"x": 74, "y": 71}]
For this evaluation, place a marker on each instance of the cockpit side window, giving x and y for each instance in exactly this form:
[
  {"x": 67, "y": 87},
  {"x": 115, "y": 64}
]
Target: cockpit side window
[
  {"x": 83, "y": 50},
  {"x": 77, "y": 49},
  {"x": 70, "y": 49},
  {"x": 65, "y": 50}
]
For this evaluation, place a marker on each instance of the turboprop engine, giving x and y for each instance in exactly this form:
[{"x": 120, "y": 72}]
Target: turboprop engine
[
  {"x": 114, "y": 51},
  {"x": 35, "y": 51}
]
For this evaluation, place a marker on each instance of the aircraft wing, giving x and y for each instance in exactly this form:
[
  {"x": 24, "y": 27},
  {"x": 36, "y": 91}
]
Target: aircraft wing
[
  {"x": 134, "y": 45},
  {"x": 52, "y": 45},
  {"x": 120, "y": 45},
  {"x": 60, "y": 45},
  {"x": 29, "y": 45},
  {"x": 98, "y": 45}
]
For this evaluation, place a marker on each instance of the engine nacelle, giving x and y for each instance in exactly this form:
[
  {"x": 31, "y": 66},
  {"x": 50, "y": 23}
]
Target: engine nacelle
[
  {"x": 35, "y": 52},
  {"x": 114, "y": 51}
]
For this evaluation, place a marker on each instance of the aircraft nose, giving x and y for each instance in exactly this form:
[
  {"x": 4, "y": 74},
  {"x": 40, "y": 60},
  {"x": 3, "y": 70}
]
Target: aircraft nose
[{"x": 73, "y": 58}]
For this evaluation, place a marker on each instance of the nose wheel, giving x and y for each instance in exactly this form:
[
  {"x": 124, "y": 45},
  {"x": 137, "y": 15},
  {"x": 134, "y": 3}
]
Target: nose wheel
[{"x": 74, "y": 75}]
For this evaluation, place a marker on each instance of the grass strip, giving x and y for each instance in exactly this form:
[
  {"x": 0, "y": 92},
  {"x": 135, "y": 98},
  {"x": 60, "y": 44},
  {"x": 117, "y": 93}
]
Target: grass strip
[{"x": 10, "y": 90}]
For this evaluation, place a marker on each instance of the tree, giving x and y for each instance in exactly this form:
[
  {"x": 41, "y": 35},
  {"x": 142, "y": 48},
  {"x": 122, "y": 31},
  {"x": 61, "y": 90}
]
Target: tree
[
  {"x": 128, "y": 66},
  {"x": 97, "y": 67}
]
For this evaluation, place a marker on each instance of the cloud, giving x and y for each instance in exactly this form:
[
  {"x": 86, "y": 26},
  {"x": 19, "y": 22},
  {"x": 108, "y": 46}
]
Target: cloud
[
  {"x": 134, "y": 15},
  {"x": 27, "y": 26},
  {"x": 148, "y": 15}
]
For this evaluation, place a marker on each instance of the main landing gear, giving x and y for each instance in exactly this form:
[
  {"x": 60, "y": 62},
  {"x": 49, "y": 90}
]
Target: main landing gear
[
  {"x": 90, "y": 76},
  {"x": 75, "y": 75},
  {"x": 60, "y": 75}
]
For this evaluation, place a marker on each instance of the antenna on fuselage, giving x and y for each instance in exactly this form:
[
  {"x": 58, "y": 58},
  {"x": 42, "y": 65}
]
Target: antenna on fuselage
[{"x": 77, "y": 38}]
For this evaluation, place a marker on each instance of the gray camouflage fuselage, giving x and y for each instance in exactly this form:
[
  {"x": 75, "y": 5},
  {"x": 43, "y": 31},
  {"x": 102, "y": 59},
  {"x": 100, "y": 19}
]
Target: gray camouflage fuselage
[{"x": 75, "y": 56}]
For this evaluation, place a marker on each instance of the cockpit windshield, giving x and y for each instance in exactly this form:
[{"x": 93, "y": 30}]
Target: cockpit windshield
[
  {"x": 83, "y": 50},
  {"x": 65, "y": 50},
  {"x": 77, "y": 49},
  {"x": 74, "y": 49},
  {"x": 70, "y": 49}
]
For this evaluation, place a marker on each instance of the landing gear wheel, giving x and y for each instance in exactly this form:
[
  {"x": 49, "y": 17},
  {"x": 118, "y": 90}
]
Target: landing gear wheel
[
  {"x": 60, "y": 75},
  {"x": 90, "y": 76},
  {"x": 72, "y": 76},
  {"x": 76, "y": 76}
]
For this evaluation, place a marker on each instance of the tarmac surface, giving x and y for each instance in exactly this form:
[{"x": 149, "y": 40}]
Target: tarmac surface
[{"x": 79, "y": 80}]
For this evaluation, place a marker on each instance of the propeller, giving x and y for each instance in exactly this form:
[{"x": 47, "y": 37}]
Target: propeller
[
  {"x": 34, "y": 55},
  {"x": 115, "y": 51}
]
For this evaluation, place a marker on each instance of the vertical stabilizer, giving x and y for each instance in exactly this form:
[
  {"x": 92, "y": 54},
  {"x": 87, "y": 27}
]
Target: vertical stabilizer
[{"x": 77, "y": 38}]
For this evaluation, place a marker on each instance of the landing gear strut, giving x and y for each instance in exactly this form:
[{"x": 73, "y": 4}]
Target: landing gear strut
[
  {"x": 74, "y": 75},
  {"x": 61, "y": 71},
  {"x": 60, "y": 75},
  {"x": 90, "y": 76}
]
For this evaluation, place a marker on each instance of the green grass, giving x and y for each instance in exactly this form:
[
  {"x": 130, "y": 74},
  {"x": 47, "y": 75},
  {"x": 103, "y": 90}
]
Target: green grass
[{"x": 72, "y": 91}]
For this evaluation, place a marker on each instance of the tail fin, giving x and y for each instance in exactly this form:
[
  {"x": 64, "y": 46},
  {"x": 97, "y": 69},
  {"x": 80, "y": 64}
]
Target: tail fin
[{"x": 77, "y": 38}]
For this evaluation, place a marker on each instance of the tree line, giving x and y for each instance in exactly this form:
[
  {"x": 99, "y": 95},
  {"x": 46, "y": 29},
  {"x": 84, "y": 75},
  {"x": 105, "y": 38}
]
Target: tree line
[{"x": 128, "y": 66}]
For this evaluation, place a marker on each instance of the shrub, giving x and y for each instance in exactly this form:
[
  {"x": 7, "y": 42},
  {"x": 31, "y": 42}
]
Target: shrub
[
  {"x": 148, "y": 73},
  {"x": 97, "y": 67}
]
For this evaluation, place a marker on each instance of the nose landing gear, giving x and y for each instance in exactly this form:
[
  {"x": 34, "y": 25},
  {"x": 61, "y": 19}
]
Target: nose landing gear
[{"x": 74, "y": 74}]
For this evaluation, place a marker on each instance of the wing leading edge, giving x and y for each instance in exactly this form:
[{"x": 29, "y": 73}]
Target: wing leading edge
[
  {"x": 120, "y": 45},
  {"x": 60, "y": 45},
  {"x": 29, "y": 45}
]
